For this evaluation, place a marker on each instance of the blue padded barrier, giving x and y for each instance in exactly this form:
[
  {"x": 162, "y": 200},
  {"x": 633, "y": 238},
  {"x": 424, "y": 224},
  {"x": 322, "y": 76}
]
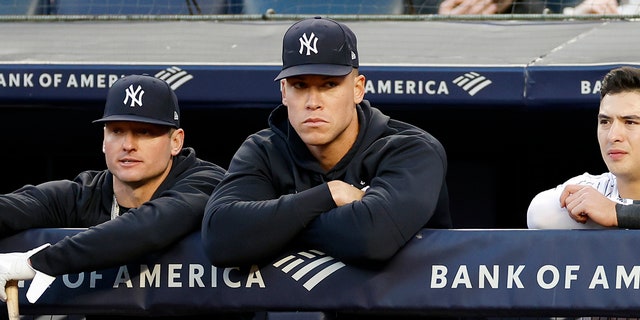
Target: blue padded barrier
[{"x": 506, "y": 272}]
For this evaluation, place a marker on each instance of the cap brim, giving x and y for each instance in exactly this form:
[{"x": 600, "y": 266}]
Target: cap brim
[
  {"x": 333, "y": 70},
  {"x": 134, "y": 119}
]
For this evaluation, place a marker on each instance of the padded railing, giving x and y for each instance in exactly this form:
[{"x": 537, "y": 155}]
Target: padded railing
[{"x": 452, "y": 272}]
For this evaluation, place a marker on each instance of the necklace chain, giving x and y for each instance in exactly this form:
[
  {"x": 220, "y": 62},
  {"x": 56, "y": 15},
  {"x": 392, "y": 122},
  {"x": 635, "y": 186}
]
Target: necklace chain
[{"x": 115, "y": 208}]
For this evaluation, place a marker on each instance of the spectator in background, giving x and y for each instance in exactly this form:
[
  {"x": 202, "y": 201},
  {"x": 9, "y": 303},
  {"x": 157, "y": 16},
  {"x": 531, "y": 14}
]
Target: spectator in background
[
  {"x": 611, "y": 199},
  {"x": 475, "y": 7},
  {"x": 152, "y": 194},
  {"x": 331, "y": 172},
  {"x": 488, "y": 7},
  {"x": 460, "y": 7}
]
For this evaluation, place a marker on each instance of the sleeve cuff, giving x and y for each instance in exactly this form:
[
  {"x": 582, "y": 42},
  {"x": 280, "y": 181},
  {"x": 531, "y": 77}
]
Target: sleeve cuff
[{"x": 627, "y": 216}]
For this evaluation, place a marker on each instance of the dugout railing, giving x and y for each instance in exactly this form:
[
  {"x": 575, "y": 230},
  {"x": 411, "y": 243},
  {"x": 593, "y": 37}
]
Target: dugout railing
[{"x": 481, "y": 273}]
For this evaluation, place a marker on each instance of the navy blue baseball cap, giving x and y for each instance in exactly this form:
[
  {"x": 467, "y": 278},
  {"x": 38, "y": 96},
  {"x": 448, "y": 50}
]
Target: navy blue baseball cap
[
  {"x": 141, "y": 98},
  {"x": 318, "y": 46}
]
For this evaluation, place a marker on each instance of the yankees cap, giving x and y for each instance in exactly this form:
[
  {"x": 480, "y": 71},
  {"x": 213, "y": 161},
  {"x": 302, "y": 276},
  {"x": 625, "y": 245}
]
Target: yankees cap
[
  {"x": 141, "y": 98},
  {"x": 318, "y": 46}
]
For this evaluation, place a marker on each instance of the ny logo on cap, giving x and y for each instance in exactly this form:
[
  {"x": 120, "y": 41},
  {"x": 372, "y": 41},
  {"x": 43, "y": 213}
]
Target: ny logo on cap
[
  {"x": 306, "y": 43},
  {"x": 135, "y": 95}
]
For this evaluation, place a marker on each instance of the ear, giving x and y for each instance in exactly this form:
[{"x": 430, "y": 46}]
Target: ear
[
  {"x": 358, "y": 88},
  {"x": 177, "y": 141},
  {"x": 104, "y": 134},
  {"x": 283, "y": 91}
]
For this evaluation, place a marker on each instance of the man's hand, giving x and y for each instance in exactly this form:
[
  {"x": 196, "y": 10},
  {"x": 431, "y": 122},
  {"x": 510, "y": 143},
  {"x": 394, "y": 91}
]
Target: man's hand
[
  {"x": 344, "y": 193},
  {"x": 16, "y": 266},
  {"x": 584, "y": 202},
  {"x": 480, "y": 7}
]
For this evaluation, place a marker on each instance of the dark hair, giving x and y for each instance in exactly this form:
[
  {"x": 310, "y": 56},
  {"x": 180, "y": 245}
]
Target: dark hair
[{"x": 620, "y": 80}]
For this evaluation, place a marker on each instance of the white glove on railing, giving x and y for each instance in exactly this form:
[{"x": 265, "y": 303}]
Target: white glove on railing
[
  {"x": 15, "y": 266},
  {"x": 39, "y": 284}
]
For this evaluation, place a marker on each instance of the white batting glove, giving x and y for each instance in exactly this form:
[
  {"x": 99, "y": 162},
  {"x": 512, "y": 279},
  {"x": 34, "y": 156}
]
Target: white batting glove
[{"x": 15, "y": 266}]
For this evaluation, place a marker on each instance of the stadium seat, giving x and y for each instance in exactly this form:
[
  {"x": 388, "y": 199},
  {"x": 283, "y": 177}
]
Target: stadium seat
[
  {"x": 125, "y": 7},
  {"x": 16, "y": 7}
]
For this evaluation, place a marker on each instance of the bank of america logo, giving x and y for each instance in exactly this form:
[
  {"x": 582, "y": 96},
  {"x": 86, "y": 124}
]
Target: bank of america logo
[
  {"x": 174, "y": 76},
  {"x": 472, "y": 82},
  {"x": 310, "y": 266}
]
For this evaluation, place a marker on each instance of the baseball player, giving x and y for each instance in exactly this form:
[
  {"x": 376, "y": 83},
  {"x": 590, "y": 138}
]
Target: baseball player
[
  {"x": 331, "y": 172},
  {"x": 608, "y": 200},
  {"x": 151, "y": 195}
]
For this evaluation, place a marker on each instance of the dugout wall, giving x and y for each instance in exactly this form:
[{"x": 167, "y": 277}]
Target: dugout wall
[{"x": 514, "y": 102}]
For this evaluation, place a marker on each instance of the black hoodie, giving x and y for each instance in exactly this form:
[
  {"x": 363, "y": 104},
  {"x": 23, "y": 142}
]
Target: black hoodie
[
  {"x": 174, "y": 211},
  {"x": 276, "y": 193}
]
